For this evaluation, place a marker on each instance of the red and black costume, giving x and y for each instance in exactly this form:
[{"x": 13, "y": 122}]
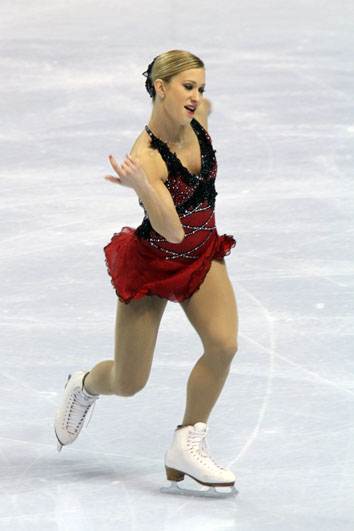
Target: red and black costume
[{"x": 142, "y": 262}]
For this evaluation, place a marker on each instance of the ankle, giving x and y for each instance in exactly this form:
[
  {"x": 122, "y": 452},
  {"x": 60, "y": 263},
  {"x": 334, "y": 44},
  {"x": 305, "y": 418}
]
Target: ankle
[
  {"x": 86, "y": 389},
  {"x": 191, "y": 424}
]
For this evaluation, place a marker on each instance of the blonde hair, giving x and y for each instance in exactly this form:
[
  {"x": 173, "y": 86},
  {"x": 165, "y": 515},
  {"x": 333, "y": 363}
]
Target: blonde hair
[{"x": 169, "y": 64}]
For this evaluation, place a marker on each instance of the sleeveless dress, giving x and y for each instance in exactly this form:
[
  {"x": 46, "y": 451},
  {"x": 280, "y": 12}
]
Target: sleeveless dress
[{"x": 142, "y": 262}]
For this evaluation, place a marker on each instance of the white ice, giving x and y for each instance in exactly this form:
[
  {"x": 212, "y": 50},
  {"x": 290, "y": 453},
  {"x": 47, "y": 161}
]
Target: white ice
[{"x": 280, "y": 74}]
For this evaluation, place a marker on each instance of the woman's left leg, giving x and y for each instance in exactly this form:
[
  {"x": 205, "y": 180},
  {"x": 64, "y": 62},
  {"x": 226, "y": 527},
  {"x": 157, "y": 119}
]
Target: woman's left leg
[{"x": 212, "y": 310}]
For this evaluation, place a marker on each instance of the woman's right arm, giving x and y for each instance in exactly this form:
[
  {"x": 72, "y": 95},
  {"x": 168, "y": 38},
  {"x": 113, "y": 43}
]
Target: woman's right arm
[{"x": 141, "y": 174}]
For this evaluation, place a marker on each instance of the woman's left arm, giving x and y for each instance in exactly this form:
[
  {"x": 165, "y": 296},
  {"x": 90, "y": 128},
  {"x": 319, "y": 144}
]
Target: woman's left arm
[{"x": 203, "y": 112}]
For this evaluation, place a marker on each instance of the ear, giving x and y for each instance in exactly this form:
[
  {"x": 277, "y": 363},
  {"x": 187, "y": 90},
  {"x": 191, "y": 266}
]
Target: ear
[{"x": 160, "y": 88}]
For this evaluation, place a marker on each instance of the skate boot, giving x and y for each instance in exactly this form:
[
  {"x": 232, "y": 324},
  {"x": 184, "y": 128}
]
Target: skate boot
[
  {"x": 72, "y": 410},
  {"x": 189, "y": 455}
]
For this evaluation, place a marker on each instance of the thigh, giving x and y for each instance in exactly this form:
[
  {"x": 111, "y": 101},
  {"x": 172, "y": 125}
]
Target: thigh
[
  {"x": 137, "y": 325},
  {"x": 212, "y": 309}
]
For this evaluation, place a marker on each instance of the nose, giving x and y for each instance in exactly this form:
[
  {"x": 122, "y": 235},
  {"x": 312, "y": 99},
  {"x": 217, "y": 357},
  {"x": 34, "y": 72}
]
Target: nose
[{"x": 196, "y": 95}]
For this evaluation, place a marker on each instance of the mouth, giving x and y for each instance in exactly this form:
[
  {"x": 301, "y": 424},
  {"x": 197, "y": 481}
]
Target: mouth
[{"x": 190, "y": 109}]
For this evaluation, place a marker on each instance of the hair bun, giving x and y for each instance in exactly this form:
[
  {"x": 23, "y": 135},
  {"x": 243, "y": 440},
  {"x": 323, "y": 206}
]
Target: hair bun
[{"x": 148, "y": 83}]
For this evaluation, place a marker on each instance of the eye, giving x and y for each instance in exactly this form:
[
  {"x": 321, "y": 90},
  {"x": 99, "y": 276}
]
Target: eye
[{"x": 190, "y": 87}]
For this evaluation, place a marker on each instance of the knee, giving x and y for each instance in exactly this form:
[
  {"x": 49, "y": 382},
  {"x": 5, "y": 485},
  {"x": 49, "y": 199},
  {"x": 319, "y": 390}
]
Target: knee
[
  {"x": 224, "y": 351},
  {"x": 128, "y": 388},
  {"x": 228, "y": 351}
]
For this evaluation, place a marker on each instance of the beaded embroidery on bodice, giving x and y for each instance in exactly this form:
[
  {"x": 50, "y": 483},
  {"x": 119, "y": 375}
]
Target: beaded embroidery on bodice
[{"x": 193, "y": 196}]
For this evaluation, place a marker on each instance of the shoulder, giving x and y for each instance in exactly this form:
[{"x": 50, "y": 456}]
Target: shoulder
[
  {"x": 203, "y": 112},
  {"x": 149, "y": 159}
]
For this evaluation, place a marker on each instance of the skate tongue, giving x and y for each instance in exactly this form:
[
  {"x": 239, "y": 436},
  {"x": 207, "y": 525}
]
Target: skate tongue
[{"x": 200, "y": 427}]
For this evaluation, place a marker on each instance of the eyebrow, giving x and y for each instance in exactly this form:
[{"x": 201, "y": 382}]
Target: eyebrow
[{"x": 194, "y": 82}]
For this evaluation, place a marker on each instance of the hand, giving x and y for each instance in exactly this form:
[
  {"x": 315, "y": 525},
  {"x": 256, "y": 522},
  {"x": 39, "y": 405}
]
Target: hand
[{"x": 130, "y": 173}]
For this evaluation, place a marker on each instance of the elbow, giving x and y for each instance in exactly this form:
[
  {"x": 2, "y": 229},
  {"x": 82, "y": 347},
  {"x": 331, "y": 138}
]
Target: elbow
[
  {"x": 210, "y": 107},
  {"x": 178, "y": 237}
]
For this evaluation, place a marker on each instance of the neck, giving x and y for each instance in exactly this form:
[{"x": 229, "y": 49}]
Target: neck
[{"x": 165, "y": 128}]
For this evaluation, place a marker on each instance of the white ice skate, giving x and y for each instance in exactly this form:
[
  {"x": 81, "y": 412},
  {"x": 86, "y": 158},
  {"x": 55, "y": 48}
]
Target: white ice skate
[
  {"x": 189, "y": 455},
  {"x": 72, "y": 410}
]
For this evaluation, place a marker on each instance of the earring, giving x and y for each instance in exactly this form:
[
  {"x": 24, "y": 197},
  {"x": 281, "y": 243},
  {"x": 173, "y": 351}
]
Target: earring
[{"x": 162, "y": 97}]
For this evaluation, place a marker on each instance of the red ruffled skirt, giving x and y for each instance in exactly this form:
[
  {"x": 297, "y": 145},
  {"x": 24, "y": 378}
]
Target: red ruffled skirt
[{"x": 138, "y": 269}]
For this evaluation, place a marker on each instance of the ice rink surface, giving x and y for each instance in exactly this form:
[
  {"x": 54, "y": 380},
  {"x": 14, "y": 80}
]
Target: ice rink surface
[{"x": 280, "y": 74}]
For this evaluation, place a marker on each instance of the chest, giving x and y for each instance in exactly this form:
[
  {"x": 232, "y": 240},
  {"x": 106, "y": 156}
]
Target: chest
[{"x": 190, "y": 156}]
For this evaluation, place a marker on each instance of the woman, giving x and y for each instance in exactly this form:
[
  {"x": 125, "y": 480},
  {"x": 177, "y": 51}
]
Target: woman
[{"x": 175, "y": 254}]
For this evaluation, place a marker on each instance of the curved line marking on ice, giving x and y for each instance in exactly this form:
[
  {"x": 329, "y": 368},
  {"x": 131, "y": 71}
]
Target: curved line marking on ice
[{"x": 269, "y": 386}]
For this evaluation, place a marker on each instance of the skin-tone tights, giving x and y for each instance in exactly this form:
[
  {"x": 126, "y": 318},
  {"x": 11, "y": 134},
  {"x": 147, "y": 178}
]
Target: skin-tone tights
[{"x": 212, "y": 311}]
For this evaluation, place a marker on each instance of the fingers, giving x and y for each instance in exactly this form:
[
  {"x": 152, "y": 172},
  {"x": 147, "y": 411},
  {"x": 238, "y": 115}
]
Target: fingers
[
  {"x": 130, "y": 162},
  {"x": 130, "y": 159},
  {"x": 114, "y": 180},
  {"x": 115, "y": 165},
  {"x": 127, "y": 166}
]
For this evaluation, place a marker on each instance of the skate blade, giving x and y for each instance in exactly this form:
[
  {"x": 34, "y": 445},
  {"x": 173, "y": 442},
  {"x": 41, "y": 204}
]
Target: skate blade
[
  {"x": 59, "y": 444},
  {"x": 212, "y": 492},
  {"x": 67, "y": 381}
]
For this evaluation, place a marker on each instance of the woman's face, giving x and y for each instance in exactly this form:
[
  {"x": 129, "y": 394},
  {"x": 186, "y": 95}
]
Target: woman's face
[{"x": 183, "y": 94}]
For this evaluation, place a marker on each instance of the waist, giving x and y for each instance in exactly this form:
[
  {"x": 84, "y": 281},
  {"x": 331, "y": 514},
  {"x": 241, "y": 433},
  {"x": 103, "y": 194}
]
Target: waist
[{"x": 198, "y": 228}]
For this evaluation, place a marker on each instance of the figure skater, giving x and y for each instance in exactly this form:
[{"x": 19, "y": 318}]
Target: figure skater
[{"x": 175, "y": 254}]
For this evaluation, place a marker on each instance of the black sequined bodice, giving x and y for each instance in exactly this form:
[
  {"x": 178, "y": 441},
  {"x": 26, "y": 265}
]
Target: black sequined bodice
[{"x": 193, "y": 196}]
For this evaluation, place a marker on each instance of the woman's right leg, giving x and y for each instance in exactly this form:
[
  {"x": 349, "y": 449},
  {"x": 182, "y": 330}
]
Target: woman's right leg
[{"x": 137, "y": 325}]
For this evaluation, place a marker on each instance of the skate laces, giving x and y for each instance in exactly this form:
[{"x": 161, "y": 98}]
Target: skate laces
[
  {"x": 92, "y": 410},
  {"x": 79, "y": 409},
  {"x": 198, "y": 442}
]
